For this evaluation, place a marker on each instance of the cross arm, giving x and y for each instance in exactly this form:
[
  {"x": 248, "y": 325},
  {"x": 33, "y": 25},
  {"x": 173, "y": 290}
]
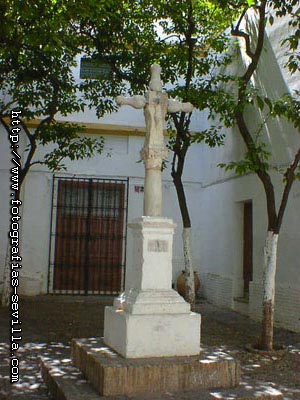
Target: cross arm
[
  {"x": 134, "y": 101},
  {"x": 175, "y": 106}
]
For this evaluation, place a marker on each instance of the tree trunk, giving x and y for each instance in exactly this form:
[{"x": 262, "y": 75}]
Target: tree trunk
[
  {"x": 270, "y": 262},
  {"x": 188, "y": 266},
  {"x": 186, "y": 239}
]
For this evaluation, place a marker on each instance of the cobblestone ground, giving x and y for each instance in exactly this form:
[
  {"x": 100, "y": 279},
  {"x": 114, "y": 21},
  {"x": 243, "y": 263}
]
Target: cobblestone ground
[{"x": 50, "y": 322}]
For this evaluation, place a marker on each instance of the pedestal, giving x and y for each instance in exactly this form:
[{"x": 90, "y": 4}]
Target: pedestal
[{"x": 150, "y": 319}]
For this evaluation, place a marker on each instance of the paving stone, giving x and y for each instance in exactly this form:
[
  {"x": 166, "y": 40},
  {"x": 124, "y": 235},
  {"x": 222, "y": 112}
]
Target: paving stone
[{"x": 65, "y": 382}]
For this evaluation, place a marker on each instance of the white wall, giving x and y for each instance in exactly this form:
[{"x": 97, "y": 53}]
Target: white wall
[
  {"x": 222, "y": 197},
  {"x": 215, "y": 201},
  {"x": 5, "y": 193},
  {"x": 123, "y": 154}
]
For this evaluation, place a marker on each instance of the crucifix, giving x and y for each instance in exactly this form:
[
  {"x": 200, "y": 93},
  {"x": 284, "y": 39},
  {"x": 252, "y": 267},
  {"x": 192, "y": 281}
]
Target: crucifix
[{"x": 155, "y": 104}]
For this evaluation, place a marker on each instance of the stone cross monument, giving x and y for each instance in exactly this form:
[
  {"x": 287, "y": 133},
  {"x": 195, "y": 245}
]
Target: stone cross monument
[
  {"x": 155, "y": 104},
  {"x": 150, "y": 319}
]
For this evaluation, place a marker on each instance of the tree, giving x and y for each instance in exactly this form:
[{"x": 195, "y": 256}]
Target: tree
[
  {"x": 257, "y": 158},
  {"x": 187, "y": 39},
  {"x": 38, "y": 52}
]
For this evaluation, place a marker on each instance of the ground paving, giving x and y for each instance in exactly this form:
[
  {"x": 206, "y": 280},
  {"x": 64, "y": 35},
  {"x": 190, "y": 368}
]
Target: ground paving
[{"x": 50, "y": 322}]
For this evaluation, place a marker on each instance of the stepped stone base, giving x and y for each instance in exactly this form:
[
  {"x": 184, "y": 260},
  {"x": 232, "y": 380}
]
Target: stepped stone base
[
  {"x": 111, "y": 375},
  {"x": 66, "y": 382}
]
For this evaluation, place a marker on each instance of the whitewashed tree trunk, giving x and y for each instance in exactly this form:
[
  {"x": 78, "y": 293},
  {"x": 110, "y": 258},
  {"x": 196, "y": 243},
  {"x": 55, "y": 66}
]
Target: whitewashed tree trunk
[
  {"x": 188, "y": 266},
  {"x": 270, "y": 263}
]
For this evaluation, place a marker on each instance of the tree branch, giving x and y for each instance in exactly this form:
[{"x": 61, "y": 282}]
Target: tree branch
[
  {"x": 260, "y": 42},
  {"x": 6, "y": 107},
  {"x": 36, "y": 162},
  {"x": 239, "y": 117},
  {"x": 236, "y": 31},
  {"x": 169, "y": 37},
  {"x": 176, "y": 122},
  {"x": 236, "y": 6},
  {"x": 7, "y": 128},
  {"x": 261, "y": 172},
  {"x": 32, "y": 149},
  {"x": 290, "y": 178},
  {"x": 127, "y": 77},
  {"x": 191, "y": 44}
]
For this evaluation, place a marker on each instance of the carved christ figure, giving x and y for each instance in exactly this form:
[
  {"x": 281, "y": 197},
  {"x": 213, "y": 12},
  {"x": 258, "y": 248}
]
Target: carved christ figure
[{"x": 155, "y": 104}]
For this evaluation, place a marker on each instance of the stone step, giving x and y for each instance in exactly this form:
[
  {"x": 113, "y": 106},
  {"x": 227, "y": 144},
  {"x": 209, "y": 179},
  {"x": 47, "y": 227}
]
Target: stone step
[
  {"x": 65, "y": 382},
  {"x": 111, "y": 374}
]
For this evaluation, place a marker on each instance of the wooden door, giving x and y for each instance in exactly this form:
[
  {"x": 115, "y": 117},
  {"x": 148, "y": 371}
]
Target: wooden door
[
  {"x": 89, "y": 236},
  {"x": 248, "y": 247}
]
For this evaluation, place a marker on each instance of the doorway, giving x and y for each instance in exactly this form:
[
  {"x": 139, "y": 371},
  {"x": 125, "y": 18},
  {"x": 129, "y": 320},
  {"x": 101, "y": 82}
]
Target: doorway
[{"x": 247, "y": 247}]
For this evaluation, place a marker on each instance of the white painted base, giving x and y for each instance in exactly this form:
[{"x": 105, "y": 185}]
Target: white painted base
[
  {"x": 148, "y": 335},
  {"x": 150, "y": 319},
  {"x": 161, "y": 301}
]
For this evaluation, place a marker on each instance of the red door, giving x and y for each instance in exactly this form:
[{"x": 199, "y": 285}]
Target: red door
[{"x": 89, "y": 236}]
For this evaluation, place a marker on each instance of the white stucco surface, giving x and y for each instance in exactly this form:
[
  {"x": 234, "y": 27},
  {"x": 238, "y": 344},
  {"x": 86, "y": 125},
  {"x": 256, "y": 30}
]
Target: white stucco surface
[
  {"x": 119, "y": 160},
  {"x": 223, "y": 196}
]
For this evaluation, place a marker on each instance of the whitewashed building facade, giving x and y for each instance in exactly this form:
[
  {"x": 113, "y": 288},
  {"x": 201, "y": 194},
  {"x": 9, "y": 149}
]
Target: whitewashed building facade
[{"x": 69, "y": 216}]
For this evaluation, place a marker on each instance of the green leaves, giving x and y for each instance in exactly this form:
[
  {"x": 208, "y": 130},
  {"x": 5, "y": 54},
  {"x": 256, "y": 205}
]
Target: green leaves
[
  {"x": 288, "y": 106},
  {"x": 39, "y": 44},
  {"x": 214, "y": 136},
  {"x": 37, "y": 58},
  {"x": 297, "y": 173},
  {"x": 68, "y": 141},
  {"x": 291, "y": 9},
  {"x": 255, "y": 160},
  {"x": 260, "y": 102},
  {"x": 74, "y": 149}
]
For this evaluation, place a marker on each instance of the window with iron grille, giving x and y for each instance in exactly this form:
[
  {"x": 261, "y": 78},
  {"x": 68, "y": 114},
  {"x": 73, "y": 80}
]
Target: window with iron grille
[{"x": 88, "y": 235}]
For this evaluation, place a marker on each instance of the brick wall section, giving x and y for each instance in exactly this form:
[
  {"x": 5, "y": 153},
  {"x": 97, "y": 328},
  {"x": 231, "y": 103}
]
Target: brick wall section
[
  {"x": 255, "y": 300},
  {"x": 287, "y": 305},
  {"x": 219, "y": 290},
  {"x": 216, "y": 289}
]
